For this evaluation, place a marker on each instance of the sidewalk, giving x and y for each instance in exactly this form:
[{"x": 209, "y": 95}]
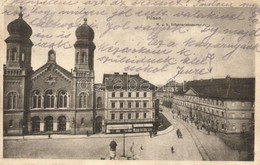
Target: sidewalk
[{"x": 60, "y": 136}]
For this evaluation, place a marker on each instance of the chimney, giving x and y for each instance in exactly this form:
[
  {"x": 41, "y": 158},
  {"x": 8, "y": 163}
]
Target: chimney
[
  {"x": 183, "y": 86},
  {"x": 124, "y": 73},
  {"x": 117, "y": 73}
]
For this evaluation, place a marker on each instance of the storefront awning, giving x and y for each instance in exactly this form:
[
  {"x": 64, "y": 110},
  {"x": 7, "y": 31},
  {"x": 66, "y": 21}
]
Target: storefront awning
[
  {"x": 126, "y": 126},
  {"x": 143, "y": 125}
]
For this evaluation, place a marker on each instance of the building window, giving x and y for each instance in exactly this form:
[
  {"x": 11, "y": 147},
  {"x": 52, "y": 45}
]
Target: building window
[
  {"x": 129, "y": 104},
  {"x": 144, "y": 115},
  {"x": 77, "y": 58},
  {"x": 11, "y": 123},
  {"x": 121, "y": 116},
  {"x": 222, "y": 114},
  {"x": 145, "y": 94},
  {"x": 113, "y": 105},
  {"x": 137, "y": 115},
  {"x": 48, "y": 123},
  {"x": 243, "y": 104},
  {"x": 145, "y": 104},
  {"x": 83, "y": 100},
  {"x": 14, "y": 54},
  {"x": 121, "y": 105},
  {"x": 112, "y": 116},
  {"x": 23, "y": 56},
  {"x": 253, "y": 116},
  {"x": 137, "y": 94},
  {"x": 153, "y": 115},
  {"x": 99, "y": 102},
  {"x": 243, "y": 115},
  {"x": 129, "y": 94},
  {"x": 83, "y": 58},
  {"x": 121, "y": 94},
  {"x": 243, "y": 127},
  {"x": 233, "y": 115},
  {"x": 36, "y": 99},
  {"x": 82, "y": 121},
  {"x": 36, "y": 124},
  {"x": 49, "y": 99},
  {"x": 63, "y": 99},
  {"x": 234, "y": 126},
  {"x": 137, "y": 104},
  {"x": 12, "y": 100},
  {"x": 232, "y": 104},
  {"x": 129, "y": 115},
  {"x": 61, "y": 121},
  {"x": 113, "y": 94}
]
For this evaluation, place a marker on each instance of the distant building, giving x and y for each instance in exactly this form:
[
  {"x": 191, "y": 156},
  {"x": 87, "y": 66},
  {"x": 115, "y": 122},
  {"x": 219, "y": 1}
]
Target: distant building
[
  {"x": 129, "y": 103},
  {"x": 227, "y": 104}
]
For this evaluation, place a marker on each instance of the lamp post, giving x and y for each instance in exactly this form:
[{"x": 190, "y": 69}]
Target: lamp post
[{"x": 124, "y": 143}]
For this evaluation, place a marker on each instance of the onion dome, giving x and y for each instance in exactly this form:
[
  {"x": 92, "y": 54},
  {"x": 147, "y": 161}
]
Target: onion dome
[
  {"x": 19, "y": 27},
  {"x": 85, "y": 32}
]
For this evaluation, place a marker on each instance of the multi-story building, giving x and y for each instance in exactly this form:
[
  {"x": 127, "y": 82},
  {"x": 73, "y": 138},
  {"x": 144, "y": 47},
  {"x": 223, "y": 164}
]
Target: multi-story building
[
  {"x": 227, "y": 104},
  {"x": 129, "y": 103},
  {"x": 54, "y": 100},
  {"x": 49, "y": 99}
]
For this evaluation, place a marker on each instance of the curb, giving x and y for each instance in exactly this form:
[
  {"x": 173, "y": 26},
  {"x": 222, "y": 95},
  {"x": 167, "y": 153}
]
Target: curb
[{"x": 39, "y": 137}]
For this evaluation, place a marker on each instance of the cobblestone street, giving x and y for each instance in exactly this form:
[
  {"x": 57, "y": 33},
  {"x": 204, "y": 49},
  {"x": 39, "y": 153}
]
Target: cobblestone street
[{"x": 195, "y": 145}]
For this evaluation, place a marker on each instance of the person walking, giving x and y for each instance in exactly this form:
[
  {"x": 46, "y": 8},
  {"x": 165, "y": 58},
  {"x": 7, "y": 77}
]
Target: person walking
[{"x": 172, "y": 149}]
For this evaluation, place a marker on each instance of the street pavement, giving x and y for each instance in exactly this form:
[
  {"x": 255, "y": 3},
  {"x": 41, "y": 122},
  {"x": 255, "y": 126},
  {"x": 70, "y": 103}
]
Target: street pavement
[{"x": 143, "y": 147}]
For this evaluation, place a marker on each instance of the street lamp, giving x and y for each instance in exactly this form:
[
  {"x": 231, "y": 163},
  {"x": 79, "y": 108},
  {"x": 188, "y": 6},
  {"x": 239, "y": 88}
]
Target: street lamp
[{"x": 124, "y": 143}]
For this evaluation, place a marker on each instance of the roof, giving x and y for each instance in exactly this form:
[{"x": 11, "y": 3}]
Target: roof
[
  {"x": 50, "y": 65},
  {"x": 226, "y": 88},
  {"x": 125, "y": 81}
]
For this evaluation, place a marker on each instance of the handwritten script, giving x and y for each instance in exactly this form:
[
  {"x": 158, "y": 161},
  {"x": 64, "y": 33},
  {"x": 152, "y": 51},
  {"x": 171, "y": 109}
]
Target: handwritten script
[{"x": 166, "y": 37}]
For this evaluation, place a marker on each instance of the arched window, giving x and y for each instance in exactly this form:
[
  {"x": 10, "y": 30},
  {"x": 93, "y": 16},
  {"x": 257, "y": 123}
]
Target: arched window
[
  {"x": 8, "y": 54},
  {"x": 14, "y": 54},
  {"x": 12, "y": 100},
  {"x": 99, "y": 102},
  {"x": 35, "y": 124},
  {"x": 63, "y": 99},
  {"x": 48, "y": 123},
  {"x": 82, "y": 100},
  {"x": 62, "y": 123},
  {"x": 83, "y": 58},
  {"x": 49, "y": 99},
  {"x": 23, "y": 56},
  {"x": 36, "y": 99},
  {"x": 77, "y": 58}
]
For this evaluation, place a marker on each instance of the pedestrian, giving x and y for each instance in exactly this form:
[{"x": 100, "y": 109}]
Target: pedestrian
[
  {"x": 177, "y": 132},
  {"x": 180, "y": 134},
  {"x": 49, "y": 135},
  {"x": 151, "y": 134},
  {"x": 172, "y": 149},
  {"x": 142, "y": 148}
]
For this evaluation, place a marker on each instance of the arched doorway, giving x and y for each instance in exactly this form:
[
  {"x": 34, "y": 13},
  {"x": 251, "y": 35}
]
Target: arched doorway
[
  {"x": 98, "y": 124},
  {"x": 48, "y": 123},
  {"x": 62, "y": 123},
  {"x": 35, "y": 124}
]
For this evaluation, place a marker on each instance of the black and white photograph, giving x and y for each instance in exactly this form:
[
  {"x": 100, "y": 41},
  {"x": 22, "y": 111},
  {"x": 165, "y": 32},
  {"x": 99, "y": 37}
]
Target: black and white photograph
[{"x": 135, "y": 80}]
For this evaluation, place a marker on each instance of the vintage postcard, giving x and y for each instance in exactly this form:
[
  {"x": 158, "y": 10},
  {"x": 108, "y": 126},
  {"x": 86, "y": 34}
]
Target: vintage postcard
[{"x": 129, "y": 81}]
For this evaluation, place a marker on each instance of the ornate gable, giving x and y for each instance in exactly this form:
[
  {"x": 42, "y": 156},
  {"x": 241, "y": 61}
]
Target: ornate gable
[{"x": 191, "y": 92}]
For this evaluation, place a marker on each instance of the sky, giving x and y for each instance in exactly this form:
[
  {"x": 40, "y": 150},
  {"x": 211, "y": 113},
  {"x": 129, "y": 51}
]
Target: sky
[{"x": 163, "y": 31}]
